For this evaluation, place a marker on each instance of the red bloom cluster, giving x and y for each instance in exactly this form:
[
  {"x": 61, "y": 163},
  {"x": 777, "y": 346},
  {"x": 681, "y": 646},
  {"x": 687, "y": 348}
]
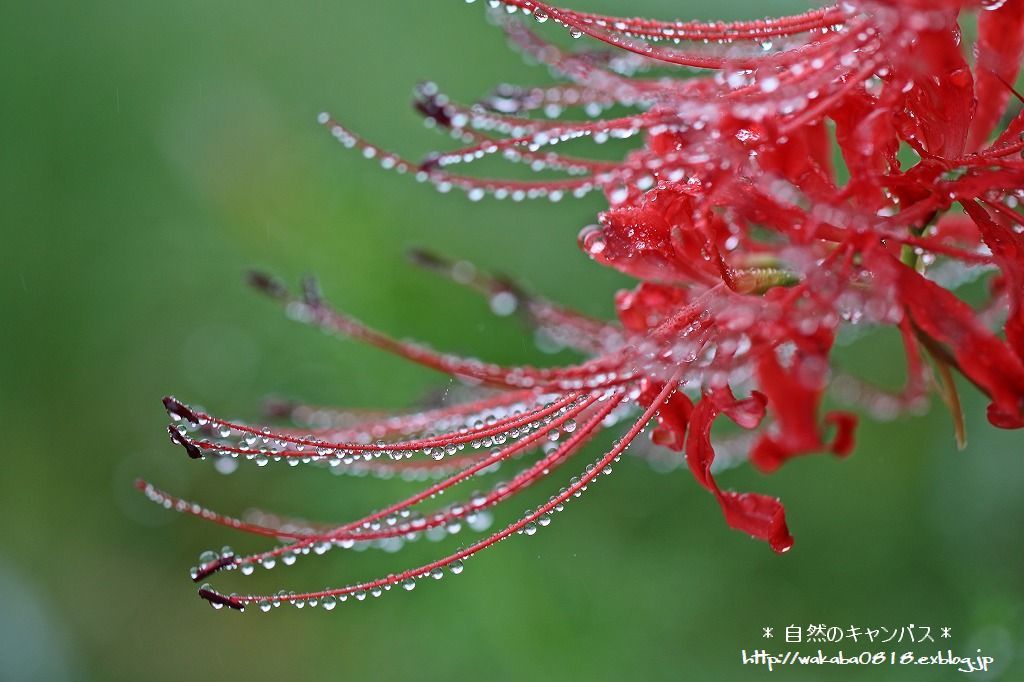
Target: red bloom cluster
[{"x": 846, "y": 166}]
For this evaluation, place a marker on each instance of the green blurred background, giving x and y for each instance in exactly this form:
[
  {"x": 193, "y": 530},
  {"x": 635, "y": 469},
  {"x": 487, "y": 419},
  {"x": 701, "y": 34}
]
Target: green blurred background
[{"x": 154, "y": 151}]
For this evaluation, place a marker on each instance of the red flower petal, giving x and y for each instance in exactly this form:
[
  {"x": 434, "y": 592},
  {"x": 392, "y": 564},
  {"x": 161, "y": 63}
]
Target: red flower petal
[
  {"x": 998, "y": 50},
  {"x": 979, "y": 355},
  {"x": 761, "y": 516}
]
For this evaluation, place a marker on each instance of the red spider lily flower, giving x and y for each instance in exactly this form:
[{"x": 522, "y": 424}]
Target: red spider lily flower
[{"x": 751, "y": 248}]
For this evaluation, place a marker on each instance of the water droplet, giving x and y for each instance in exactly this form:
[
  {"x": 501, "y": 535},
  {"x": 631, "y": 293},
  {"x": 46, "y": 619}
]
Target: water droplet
[
  {"x": 504, "y": 303},
  {"x": 769, "y": 84},
  {"x": 591, "y": 240}
]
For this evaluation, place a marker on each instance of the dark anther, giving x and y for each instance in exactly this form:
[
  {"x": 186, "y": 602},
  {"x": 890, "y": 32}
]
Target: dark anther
[
  {"x": 505, "y": 99},
  {"x": 278, "y": 408},
  {"x": 213, "y": 567},
  {"x": 217, "y": 598},
  {"x": 427, "y": 259},
  {"x": 431, "y": 163},
  {"x": 176, "y": 409},
  {"x": 266, "y": 284},
  {"x": 431, "y": 108},
  {"x": 190, "y": 447}
]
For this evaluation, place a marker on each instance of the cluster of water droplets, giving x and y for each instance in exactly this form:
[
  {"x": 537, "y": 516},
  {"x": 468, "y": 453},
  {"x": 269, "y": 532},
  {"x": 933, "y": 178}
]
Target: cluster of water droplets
[
  {"x": 329, "y": 599},
  {"x": 260, "y": 445},
  {"x": 788, "y": 89},
  {"x": 334, "y": 597},
  {"x": 541, "y": 517},
  {"x": 400, "y": 528}
]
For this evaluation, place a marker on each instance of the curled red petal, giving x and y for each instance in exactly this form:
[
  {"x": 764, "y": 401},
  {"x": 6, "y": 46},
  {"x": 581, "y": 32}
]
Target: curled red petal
[
  {"x": 845, "y": 424},
  {"x": 760, "y": 516}
]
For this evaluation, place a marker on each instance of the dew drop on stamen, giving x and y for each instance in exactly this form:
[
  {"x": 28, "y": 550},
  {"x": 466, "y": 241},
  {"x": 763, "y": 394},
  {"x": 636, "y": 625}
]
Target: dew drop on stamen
[{"x": 503, "y": 303}]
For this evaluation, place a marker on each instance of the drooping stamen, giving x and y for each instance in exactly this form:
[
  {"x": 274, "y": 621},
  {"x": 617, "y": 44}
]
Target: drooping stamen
[
  {"x": 557, "y": 501},
  {"x": 615, "y": 32},
  {"x": 499, "y": 427},
  {"x": 480, "y": 465},
  {"x": 566, "y": 326},
  {"x": 363, "y": 529},
  {"x": 558, "y": 380}
]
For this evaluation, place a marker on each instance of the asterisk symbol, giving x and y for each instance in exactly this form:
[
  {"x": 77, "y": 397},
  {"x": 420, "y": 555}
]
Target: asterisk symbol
[
  {"x": 767, "y": 633},
  {"x": 945, "y": 633}
]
